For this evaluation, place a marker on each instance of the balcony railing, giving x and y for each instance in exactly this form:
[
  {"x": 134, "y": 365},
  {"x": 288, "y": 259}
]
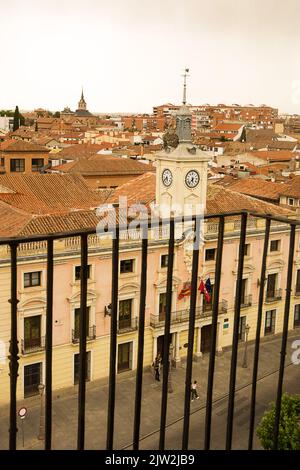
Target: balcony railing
[
  {"x": 273, "y": 296},
  {"x": 181, "y": 316},
  {"x": 207, "y": 307},
  {"x": 90, "y": 335},
  {"x": 127, "y": 324},
  {"x": 32, "y": 345},
  {"x": 178, "y": 316},
  {"x": 246, "y": 301},
  {"x": 115, "y": 327}
]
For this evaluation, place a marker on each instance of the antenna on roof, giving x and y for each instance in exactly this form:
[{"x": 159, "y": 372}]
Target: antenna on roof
[{"x": 185, "y": 75}]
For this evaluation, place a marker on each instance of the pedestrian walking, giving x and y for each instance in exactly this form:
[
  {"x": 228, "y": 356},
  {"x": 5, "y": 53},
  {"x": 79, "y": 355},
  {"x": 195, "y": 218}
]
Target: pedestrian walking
[
  {"x": 194, "y": 392},
  {"x": 157, "y": 364}
]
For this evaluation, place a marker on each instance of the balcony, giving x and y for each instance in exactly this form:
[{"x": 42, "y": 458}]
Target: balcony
[
  {"x": 207, "y": 308},
  {"x": 91, "y": 334},
  {"x": 181, "y": 316},
  {"x": 127, "y": 324},
  {"x": 29, "y": 346},
  {"x": 274, "y": 296},
  {"x": 246, "y": 301}
]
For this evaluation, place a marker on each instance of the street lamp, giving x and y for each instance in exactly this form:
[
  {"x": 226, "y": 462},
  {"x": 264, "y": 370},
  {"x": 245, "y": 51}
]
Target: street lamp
[
  {"x": 41, "y": 435},
  {"x": 245, "y": 364},
  {"x": 170, "y": 386}
]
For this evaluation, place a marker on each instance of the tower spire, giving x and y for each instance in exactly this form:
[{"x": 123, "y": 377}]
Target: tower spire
[
  {"x": 185, "y": 75},
  {"x": 82, "y": 103},
  {"x": 183, "y": 117}
]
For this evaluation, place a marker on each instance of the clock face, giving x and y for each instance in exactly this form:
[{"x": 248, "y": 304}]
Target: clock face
[
  {"x": 192, "y": 179},
  {"x": 167, "y": 177}
]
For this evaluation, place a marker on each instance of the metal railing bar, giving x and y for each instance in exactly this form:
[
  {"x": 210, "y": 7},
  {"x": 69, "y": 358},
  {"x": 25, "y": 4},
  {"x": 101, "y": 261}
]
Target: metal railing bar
[
  {"x": 191, "y": 335},
  {"x": 141, "y": 336},
  {"x": 13, "y": 351},
  {"x": 211, "y": 370},
  {"x": 284, "y": 334},
  {"x": 164, "y": 400},
  {"x": 113, "y": 342},
  {"x": 276, "y": 218},
  {"x": 258, "y": 330},
  {"x": 151, "y": 224},
  {"x": 235, "y": 341},
  {"x": 49, "y": 337},
  {"x": 82, "y": 343}
]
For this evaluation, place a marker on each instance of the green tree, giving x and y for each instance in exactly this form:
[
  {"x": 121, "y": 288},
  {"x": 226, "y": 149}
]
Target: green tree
[
  {"x": 289, "y": 425},
  {"x": 16, "y": 123},
  {"x": 6, "y": 112}
]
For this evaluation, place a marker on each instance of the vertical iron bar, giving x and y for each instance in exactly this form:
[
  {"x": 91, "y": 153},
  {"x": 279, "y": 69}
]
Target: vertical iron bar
[
  {"x": 258, "y": 332},
  {"x": 192, "y": 317},
  {"x": 284, "y": 334},
  {"x": 215, "y": 312},
  {"x": 113, "y": 341},
  {"x": 82, "y": 342},
  {"x": 164, "y": 401},
  {"x": 49, "y": 334},
  {"x": 13, "y": 350},
  {"x": 237, "y": 308},
  {"x": 140, "y": 361}
]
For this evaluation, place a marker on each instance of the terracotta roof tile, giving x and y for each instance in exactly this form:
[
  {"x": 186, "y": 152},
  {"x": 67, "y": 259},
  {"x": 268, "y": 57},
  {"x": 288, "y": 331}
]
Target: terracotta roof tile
[
  {"x": 12, "y": 220},
  {"x": 21, "y": 146},
  {"x": 272, "y": 155},
  {"x": 258, "y": 188},
  {"x": 105, "y": 165},
  {"x": 43, "y": 193},
  {"x": 60, "y": 222},
  {"x": 75, "y": 152},
  {"x": 291, "y": 188},
  {"x": 219, "y": 199}
]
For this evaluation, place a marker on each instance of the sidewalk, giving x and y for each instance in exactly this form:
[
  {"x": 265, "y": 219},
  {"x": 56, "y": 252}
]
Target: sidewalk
[{"x": 65, "y": 402}]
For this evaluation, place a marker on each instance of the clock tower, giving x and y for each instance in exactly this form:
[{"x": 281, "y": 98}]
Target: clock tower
[{"x": 181, "y": 174}]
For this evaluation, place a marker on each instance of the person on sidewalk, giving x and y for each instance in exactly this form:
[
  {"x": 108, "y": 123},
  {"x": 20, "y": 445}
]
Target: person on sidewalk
[
  {"x": 156, "y": 365},
  {"x": 194, "y": 392}
]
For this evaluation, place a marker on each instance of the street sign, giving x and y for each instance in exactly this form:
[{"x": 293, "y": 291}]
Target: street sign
[{"x": 22, "y": 412}]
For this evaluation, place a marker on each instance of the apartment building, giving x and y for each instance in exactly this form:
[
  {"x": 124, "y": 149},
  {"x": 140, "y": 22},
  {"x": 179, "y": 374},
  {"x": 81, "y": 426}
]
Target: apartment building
[{"x": 18, "y": 156}]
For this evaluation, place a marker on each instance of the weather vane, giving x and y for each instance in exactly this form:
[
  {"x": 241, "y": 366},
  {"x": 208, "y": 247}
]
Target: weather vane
[{"x": 185, "y": 75}]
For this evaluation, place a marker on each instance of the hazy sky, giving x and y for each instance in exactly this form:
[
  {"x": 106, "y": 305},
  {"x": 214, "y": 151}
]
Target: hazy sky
[{"x": 129, "y": 54}]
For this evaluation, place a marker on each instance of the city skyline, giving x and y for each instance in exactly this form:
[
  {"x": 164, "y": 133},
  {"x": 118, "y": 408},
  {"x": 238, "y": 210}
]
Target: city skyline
[{"x": 129, "y": 57}]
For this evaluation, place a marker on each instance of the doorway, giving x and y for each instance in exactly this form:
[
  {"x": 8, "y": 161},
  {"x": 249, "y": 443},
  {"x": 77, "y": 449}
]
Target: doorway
[
  {"x": 124, "y": 357},
  {"x": 205, "y": 338},
  {"x": 32, "y": 379},
  {"x": 160, "y": 344}
]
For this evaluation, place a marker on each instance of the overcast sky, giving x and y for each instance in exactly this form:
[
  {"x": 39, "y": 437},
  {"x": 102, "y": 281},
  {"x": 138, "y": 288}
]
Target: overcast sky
[{"x": 129, "y": 54}]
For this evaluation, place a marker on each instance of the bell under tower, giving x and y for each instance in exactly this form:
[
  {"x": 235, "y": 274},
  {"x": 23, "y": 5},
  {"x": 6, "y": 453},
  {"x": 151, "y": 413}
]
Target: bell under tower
[{"x": 181, "y": 174}]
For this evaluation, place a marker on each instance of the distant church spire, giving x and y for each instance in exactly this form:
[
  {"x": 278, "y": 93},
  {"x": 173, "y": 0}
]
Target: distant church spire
[
  {"x": 82, "y": 103},
  {"x": 184, "y": 117}
]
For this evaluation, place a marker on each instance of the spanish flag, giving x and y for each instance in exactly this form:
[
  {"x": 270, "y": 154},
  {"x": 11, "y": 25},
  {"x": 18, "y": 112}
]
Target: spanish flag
[{"x": 185, "y": 291}]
